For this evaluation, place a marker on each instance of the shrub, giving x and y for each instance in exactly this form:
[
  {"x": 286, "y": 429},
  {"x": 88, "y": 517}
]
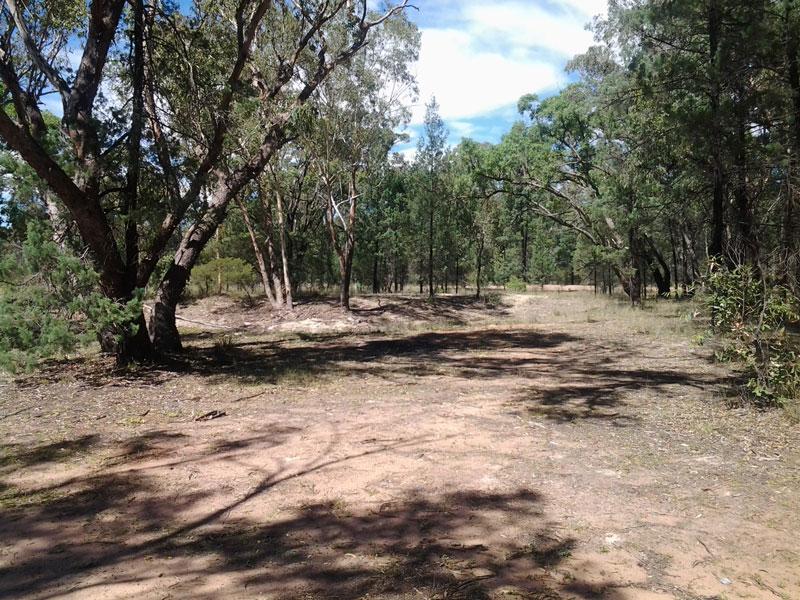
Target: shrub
[
  {"x": 515, "y": 284},
  {"x": 225, "y": 272},
  {"x": 50, "y": 302},
  {"x": 752, "y": 316},
  {"x": 493, "y": 299}
]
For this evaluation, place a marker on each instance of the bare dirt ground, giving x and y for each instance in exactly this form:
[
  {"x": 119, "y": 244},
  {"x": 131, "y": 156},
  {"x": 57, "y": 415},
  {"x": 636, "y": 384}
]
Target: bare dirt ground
[{"x": 550, "y": 447}]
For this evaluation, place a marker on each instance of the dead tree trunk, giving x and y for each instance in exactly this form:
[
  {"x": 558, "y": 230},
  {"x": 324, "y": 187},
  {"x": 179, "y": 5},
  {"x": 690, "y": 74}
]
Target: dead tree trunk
[{"x": 345, "y": 248}]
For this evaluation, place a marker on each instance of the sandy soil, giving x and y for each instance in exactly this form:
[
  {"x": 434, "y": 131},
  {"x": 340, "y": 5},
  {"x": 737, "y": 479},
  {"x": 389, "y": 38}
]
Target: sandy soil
[{"x": 553, "y": 447}]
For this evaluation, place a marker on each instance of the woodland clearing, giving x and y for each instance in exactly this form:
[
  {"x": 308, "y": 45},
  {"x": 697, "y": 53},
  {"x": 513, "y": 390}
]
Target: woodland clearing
[{"x": 543, "y": 446}]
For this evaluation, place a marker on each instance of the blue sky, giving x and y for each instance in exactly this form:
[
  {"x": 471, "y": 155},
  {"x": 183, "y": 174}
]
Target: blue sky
[{"x": 479, "y": 57}]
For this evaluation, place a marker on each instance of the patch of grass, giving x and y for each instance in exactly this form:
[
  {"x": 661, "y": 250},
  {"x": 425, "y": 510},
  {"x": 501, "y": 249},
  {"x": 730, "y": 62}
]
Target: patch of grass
[
  {"x": 298, "y": 377},
  {"x": 190, "y": 331},
  {"x": 14, "y": 498}
]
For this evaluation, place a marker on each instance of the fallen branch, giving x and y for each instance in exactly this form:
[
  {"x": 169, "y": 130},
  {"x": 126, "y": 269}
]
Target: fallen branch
[{"x": 213, "y": 414}]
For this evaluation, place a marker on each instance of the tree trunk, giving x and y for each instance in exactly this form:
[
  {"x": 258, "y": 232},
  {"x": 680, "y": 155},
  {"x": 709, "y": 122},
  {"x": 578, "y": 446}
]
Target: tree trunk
[
  {"x": 431, "y": 291},
  {"x": 269, "y": 229},
  {"x": 631, "y": 284},
  {"x": 673, "y": 247},
  {"x": 718, "y": 175},
  {"x": 164, "y": 331},
  {"x": 394, "y": 273},
  {"x": 346, "y": 267},
  {"x": 219, "y": 267},
  {"x": 163, "y": 327},
  {"x": 662, "y": 280},
  {"x": 643, "y": 272},
  {"x": 746, "y": 243},
  {"x": 128, "y": 347},
  {"x": 685, "y": 265},
  {"x": 287, "y": 280},
  {"x": 55, "y": 215},
  {"x": 478, "y": 266},
  {"x": 525, "y": 252},
  {"x": 262, "y": 265},
  {"x": 660, "y": 275},
  {"x": 346, "y": 249},
  {"x": 375, "y": 282},
  {"x": 790, "y": 269}
]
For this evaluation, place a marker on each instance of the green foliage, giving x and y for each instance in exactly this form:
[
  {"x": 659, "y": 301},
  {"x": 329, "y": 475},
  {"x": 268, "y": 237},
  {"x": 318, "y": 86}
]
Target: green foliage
[
  {"x": 753, "y": 317},
  {"x": 50, "y": 303},
  {"x": 515, "y": 284},
  {"x": 221, "y": 273},
  {"x": 737, "y": 298},
  {"x": 493, "y": 299}
]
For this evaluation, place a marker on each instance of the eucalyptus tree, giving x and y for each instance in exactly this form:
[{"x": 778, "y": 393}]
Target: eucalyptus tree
[
  {"x": 135, "y": 170},
  {"x": 577, "y": 165},
  {"x": 383, "y": 256},
  {"x": 357, "y": 112},
  {"x": 430, "y": 166},
  {"x": 301, "y": 47},
  {"x": 480, "y": 195}
]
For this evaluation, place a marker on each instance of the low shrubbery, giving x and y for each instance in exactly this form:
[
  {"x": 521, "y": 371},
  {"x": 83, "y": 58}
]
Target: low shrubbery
[
  {"x": 220, "y": 274},
  {"x": 50, "y": 302},
  {"x": 515, "y": 284},
  {"x": 754, "y": 319}
]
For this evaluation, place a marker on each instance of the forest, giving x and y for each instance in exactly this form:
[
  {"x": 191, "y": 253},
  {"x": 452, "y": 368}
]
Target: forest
[{"x": 203, "y": 199}]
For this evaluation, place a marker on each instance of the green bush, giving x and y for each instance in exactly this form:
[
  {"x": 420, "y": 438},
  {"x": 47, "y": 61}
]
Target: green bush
[
  {"x": 515, "y": 284},
  {"x": 492, "y": 299},
  {"x": 225, "y": 272},
  {"x": 752, "y": 317},
  {"x": 50, "y": 302}
]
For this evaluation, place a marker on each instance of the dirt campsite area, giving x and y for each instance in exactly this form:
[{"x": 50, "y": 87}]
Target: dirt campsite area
[{"x": 542, "y": 446}]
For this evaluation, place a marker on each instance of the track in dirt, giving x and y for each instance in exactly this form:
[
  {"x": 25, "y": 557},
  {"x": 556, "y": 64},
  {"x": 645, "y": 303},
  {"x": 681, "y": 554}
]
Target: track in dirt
[{"x": 558, "y": 446}]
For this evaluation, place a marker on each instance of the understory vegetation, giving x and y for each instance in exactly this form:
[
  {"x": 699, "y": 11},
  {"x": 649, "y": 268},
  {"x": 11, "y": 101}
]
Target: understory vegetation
[{"x": 249, "y": 146}]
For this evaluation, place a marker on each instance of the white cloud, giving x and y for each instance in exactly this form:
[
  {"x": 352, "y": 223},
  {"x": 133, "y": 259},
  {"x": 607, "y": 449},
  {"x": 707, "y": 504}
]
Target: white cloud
[
  {"x": 461, "y": 128},
  {"x": 483, "y": 57},
  {"x": 530, "y": 27},
  {"x": 589, "y": 8},
  {"x": 468, "y": 81}
]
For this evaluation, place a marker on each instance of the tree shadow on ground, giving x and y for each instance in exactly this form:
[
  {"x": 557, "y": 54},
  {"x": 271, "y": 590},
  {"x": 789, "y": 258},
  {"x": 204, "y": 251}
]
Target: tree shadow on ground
[
  {"x": 269, "y": 361},
  {"x": 448, "y": 309},
  {"x": 17, "y": 456},
  {"x": 420, "y": 354},
  {"x": 556, "y": 375},
  {"x": 91, "y": 534},
  {"x": 601, "y": 392},
  {"x": 572, "y": 378}
]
